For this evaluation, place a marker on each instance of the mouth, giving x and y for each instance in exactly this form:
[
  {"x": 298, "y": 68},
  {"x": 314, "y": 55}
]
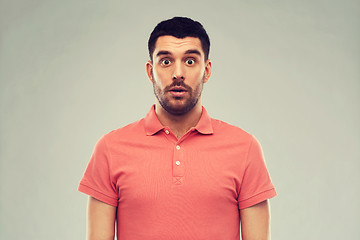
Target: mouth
[{"x": 178, "y": 91}]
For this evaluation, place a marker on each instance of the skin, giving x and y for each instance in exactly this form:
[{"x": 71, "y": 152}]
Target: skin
[
  {"x": 190, "y": 69},
  {"x": 184, "y": 59},
  {"x": 100, "y": 220},
  {"x": 255, "y": 222}
]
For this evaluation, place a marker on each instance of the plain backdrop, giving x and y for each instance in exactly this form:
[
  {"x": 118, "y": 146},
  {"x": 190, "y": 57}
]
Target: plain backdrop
[{"x": 286, "y": 71}]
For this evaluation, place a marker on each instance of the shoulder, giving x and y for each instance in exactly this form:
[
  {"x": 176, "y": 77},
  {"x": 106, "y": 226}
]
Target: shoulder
[
  {"x": 132, "y": 130},
  {"x": 229, "y": 131},
  {"x": 221, "y": 126}
]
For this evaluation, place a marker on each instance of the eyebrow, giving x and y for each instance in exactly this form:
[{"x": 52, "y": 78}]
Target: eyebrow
[
  {"x": 191, "y": 51},
  {"x": 163, "y": 53}
]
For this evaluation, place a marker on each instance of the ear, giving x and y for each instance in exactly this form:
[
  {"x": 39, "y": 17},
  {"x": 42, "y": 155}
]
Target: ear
[
  {"x": 208, "y": 69},
  {"x": 149, "y": 71}
]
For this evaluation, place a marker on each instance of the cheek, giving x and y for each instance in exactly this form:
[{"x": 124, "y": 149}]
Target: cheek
[
  {"x": 196, "y": 75},
  {"x": 161, "y": 77}
]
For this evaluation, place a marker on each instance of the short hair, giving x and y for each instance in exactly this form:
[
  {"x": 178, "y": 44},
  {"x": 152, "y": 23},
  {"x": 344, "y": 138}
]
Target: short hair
[{"x": 180, "y": 27}]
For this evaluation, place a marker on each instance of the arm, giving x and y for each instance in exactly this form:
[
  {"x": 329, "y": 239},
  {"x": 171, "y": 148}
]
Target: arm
[
  {"x": 100, "y": 220},
  {"x": 255, "y": 222}
]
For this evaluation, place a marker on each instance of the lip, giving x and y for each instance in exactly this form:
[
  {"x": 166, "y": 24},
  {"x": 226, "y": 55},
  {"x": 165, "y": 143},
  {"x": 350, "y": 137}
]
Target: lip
[
  {"x": 178, "y": 91},
  {"x": 178, "y": 94},
  {"x": 178, "y": 88}
]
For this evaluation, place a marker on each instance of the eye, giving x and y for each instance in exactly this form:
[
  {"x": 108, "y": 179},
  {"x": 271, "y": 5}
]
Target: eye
[
  {"x": 165, "y": 62},
  {"x": 190, "y": 61}
]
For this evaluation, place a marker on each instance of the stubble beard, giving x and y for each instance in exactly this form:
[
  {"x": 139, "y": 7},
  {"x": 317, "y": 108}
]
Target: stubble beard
[{"x": 177, "y": 108}]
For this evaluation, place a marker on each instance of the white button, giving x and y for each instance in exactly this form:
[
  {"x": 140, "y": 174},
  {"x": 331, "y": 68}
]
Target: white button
[
  {"x": 177, "y": 163},
  {"x": 167, "y": 131},
  {"x": 177, "y": 147}
]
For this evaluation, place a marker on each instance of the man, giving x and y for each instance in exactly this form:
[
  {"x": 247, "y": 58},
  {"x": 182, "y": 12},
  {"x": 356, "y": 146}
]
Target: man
[{"x": 177, "y": 173}]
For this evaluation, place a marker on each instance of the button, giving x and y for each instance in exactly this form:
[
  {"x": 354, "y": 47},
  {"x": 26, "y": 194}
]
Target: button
[
  {"x": 177, "y": 147},
  {"x": 177, "y": 163},
  {"x": 167, "y": 131}
]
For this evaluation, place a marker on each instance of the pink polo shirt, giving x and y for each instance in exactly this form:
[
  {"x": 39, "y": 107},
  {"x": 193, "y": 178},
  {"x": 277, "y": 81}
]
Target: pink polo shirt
[{"x": 170, "y": 189}]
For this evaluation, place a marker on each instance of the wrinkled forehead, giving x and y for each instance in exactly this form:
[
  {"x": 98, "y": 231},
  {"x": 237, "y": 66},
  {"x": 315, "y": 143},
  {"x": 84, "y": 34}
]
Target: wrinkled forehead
[{"x": 177, "y": 45}]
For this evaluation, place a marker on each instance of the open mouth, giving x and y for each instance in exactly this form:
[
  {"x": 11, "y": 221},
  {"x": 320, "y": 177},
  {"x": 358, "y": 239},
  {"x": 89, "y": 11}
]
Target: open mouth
[{"x": 178, "y": 91}]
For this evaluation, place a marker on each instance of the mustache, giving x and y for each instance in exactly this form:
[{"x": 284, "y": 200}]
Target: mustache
[{"x": 178, "y": 84}]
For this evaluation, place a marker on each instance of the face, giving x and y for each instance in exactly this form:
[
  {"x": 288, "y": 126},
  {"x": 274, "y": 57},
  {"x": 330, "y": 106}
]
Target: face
[{"x": 178, "y": 72}]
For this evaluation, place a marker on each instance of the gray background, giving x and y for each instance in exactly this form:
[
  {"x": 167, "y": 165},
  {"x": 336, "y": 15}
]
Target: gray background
[{"x": 286, "y": 71}]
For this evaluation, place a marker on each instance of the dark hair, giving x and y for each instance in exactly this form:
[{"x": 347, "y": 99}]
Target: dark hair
[{"x": 180, "y": 27}]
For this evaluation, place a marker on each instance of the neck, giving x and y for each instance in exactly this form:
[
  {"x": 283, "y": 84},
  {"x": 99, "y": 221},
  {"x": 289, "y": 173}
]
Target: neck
[{"x": 179, "y": 124}]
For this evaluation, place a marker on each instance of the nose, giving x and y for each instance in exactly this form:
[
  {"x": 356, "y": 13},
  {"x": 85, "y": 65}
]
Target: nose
[{"x": 179, "y": 72}]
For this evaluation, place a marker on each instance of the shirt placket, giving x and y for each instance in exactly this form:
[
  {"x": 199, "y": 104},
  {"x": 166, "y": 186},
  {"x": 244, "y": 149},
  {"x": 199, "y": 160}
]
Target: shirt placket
[
  {"x": 178, "y": 164},
  {"x": 178, "y": 160}
]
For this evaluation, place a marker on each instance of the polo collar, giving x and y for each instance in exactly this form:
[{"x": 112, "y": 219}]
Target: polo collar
[{"x": 153, "y": 125}]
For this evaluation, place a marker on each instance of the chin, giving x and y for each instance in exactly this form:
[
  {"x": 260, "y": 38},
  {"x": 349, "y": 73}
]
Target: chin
[{"x": 179, "y": 109}]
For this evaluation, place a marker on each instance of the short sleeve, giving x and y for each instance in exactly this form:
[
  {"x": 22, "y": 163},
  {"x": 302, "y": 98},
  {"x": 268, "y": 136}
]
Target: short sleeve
[
  {"x": 256, "y": 185},
  {"x": 97, "y": 181}
]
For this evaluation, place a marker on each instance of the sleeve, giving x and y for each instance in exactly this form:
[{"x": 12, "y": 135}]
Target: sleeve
[
  {"x": 97, "y": 181},
  {"x": 256, "y": 185}
]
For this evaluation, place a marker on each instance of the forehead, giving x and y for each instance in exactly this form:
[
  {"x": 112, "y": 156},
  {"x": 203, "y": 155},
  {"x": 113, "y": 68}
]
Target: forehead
[{"x": 177, "y": 45}]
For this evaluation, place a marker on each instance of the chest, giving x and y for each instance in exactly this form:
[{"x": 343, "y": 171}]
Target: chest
[{"x": 145, "y": 175}]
